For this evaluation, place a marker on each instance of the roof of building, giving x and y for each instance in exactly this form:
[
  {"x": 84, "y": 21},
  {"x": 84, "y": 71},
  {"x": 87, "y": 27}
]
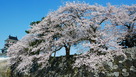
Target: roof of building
[{"x": 12, "y": 37}]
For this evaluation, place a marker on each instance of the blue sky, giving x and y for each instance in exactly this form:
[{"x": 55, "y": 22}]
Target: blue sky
[{"x": 16, "y": 15}]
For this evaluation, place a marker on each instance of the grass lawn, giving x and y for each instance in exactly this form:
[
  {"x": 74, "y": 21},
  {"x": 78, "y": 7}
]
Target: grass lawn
[{"x": 4, "y": 68}]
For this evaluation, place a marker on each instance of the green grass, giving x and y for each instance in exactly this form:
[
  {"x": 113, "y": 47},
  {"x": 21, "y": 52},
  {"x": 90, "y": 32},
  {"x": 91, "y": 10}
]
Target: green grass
[{"x": 4, "y": 68}]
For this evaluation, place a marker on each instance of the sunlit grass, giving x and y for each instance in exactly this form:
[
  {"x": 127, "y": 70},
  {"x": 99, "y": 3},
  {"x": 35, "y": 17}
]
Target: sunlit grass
[{"x": 4, "y": 68}]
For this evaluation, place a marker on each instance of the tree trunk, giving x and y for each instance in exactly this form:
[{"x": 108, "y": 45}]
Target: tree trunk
[
  {"x": 92, "y": 41},
  {"x": 54, "y": 54},
  {"x": 67, "y": 48}
]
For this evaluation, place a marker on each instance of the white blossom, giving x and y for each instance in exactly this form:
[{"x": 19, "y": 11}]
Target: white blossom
[{"x": 94, "y": 26}]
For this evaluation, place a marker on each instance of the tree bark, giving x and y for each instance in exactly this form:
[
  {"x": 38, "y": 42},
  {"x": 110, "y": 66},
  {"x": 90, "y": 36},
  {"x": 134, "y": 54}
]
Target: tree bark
[
  {"x": 54, "y": 54},
  {"x": 67, "y": 49}
]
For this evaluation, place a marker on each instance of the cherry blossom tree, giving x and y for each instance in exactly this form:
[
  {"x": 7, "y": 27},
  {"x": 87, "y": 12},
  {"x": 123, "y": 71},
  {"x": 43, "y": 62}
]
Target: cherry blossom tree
[
  {"x": 70, "y": 24},
  {"x": 119, "y": 23},
  {"x": 127, "y": 18},
  {"x": 94, "y": 26}
]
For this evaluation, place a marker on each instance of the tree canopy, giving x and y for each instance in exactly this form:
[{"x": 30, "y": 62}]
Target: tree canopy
[{"x": 99, "y": 28}]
